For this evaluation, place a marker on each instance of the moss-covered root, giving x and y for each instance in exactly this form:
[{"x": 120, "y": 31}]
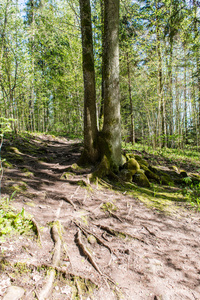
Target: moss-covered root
[
  {"x": 102, "y": 170},
  {"x": 45, "y": 292}
]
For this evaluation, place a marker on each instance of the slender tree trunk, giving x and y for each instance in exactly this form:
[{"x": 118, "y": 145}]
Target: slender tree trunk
[
  {"x": 90, "y": 120},
  {"x": 112, "y": 120},
  {"x": 160, "y": 87},
  {"x": 197, "y": 56},
  {"x": 185, "y": 101},
  {"x": 160, "y": 93},
  {"x": 102, "y": 64},
  {"x": 171, "y": 129},
  {"x": 131, "y": 101}
]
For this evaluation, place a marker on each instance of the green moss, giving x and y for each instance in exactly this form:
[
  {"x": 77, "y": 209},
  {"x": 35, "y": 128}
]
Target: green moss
[
  {"x": 19, "y": 187},
  {"x": 141, "y": 161},
  {"x": 75, "y": 167},
  {"x": 66, "y": 175},
  {"x": 129, "y": 156},
  {"x": 150, "y": 175},
  {"x": 166, "y": 179},
  {"x": 29, "y": 174},
  {"x": 175, "y": 168},
  {"x": 7, "y": 164},
  {"x": 91, "y": 239},
  {"x": 141, "y": 179},
  {"x": 123, "y": 159},
  {"x": 13, "y": 149},
  {"x": 108, "y": 206},
  {"x": 102, "y": 170},
  {"x": 132, "y": 165},
  {"x": 21, "y": 268}
]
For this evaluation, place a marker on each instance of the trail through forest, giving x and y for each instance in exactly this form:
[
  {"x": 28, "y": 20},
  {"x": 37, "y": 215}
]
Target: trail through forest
[{"x": 95, "y": 242}]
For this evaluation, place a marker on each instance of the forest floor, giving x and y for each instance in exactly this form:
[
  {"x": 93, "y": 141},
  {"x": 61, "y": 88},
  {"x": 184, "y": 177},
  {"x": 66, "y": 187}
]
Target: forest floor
[{"x": 94, "y": 241}]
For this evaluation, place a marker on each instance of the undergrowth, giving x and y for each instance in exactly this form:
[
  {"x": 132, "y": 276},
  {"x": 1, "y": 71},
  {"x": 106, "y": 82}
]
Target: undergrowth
[
  {"x": 12, "y": 222},
  {"x": 192, "y": 193},
  {"x": 191, "y": 154}
]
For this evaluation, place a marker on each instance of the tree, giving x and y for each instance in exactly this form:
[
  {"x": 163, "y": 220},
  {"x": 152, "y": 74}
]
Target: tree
[
  {"x": 90, "y": 121},
  {"x": 112, "y": 117},
  {"x": 109, "y": 141}
]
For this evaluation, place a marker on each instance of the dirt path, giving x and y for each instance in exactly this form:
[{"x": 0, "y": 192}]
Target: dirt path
[{"x": 138, "y": 253}]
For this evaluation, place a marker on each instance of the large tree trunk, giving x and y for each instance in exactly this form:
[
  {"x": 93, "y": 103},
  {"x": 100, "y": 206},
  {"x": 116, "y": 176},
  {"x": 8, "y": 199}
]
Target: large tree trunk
[
  {"x": 90, "y": 119},
  {"x": 112, "y": 122}
]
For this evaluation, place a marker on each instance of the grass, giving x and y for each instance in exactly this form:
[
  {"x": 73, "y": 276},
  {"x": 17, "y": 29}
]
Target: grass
[{"x": 186, "y": 154}]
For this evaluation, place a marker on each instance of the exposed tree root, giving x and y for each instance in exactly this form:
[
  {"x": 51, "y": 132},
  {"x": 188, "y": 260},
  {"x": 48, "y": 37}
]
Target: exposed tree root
[
  {"x": 56, "y": 258},
  {"x": 104, "y": 183},
  {"x": 68, "y": 274},
  {"x": 87, "y": 253},
  {"x": 69, "y": 201},
  {"x": 91, "y": 260},
  {"x": 115, "y": 216},
  {"x": 37, "y": 230},
  {"x": 147, "y": 229},
  {"x": 78, "y": 288},
  {"x": 117, "y": 178},
  {"x": 99, "y": 240},
  {"x": 78, "y": 182},
  {"x": 118, "y": 233}
]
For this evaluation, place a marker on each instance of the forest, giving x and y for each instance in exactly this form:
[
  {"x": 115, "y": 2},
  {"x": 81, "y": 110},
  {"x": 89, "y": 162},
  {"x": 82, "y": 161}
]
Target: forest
[
  {"x": 99, "y": 149},
  {"x": 41, "y": 85}
]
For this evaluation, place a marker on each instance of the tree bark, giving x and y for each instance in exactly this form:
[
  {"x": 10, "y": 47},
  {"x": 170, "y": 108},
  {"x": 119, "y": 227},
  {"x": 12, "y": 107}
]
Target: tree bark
[
  {"x": 90, "y": 119},
  {"x": 112, "y": 122},
  {"x": 131, "y": 101}
]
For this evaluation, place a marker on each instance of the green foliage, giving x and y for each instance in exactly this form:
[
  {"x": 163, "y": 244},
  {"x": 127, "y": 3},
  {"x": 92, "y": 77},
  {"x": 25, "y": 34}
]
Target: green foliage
[
  {"x": 12, "y": 222},
  {"x": 192, "y": 193}
]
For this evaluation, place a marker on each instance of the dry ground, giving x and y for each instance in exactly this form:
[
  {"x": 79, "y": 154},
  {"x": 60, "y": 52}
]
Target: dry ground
[{"x": 112, "y": 245}]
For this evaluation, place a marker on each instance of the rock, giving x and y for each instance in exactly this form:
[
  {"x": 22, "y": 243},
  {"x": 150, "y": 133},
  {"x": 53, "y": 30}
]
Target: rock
[
  {"x": 183, "y": 174},
  {"x": 132, "y": 166},
  {"x": 126, "y": 175},
  {"x": 141, "y": 161},
  {"x": 150, "y": 174},
  {"x": 14, "y": 293},
  {"x": 91, "y": 239},
  {"x": 141, "y": 179},
  {"x": 166, "y": 180}
]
